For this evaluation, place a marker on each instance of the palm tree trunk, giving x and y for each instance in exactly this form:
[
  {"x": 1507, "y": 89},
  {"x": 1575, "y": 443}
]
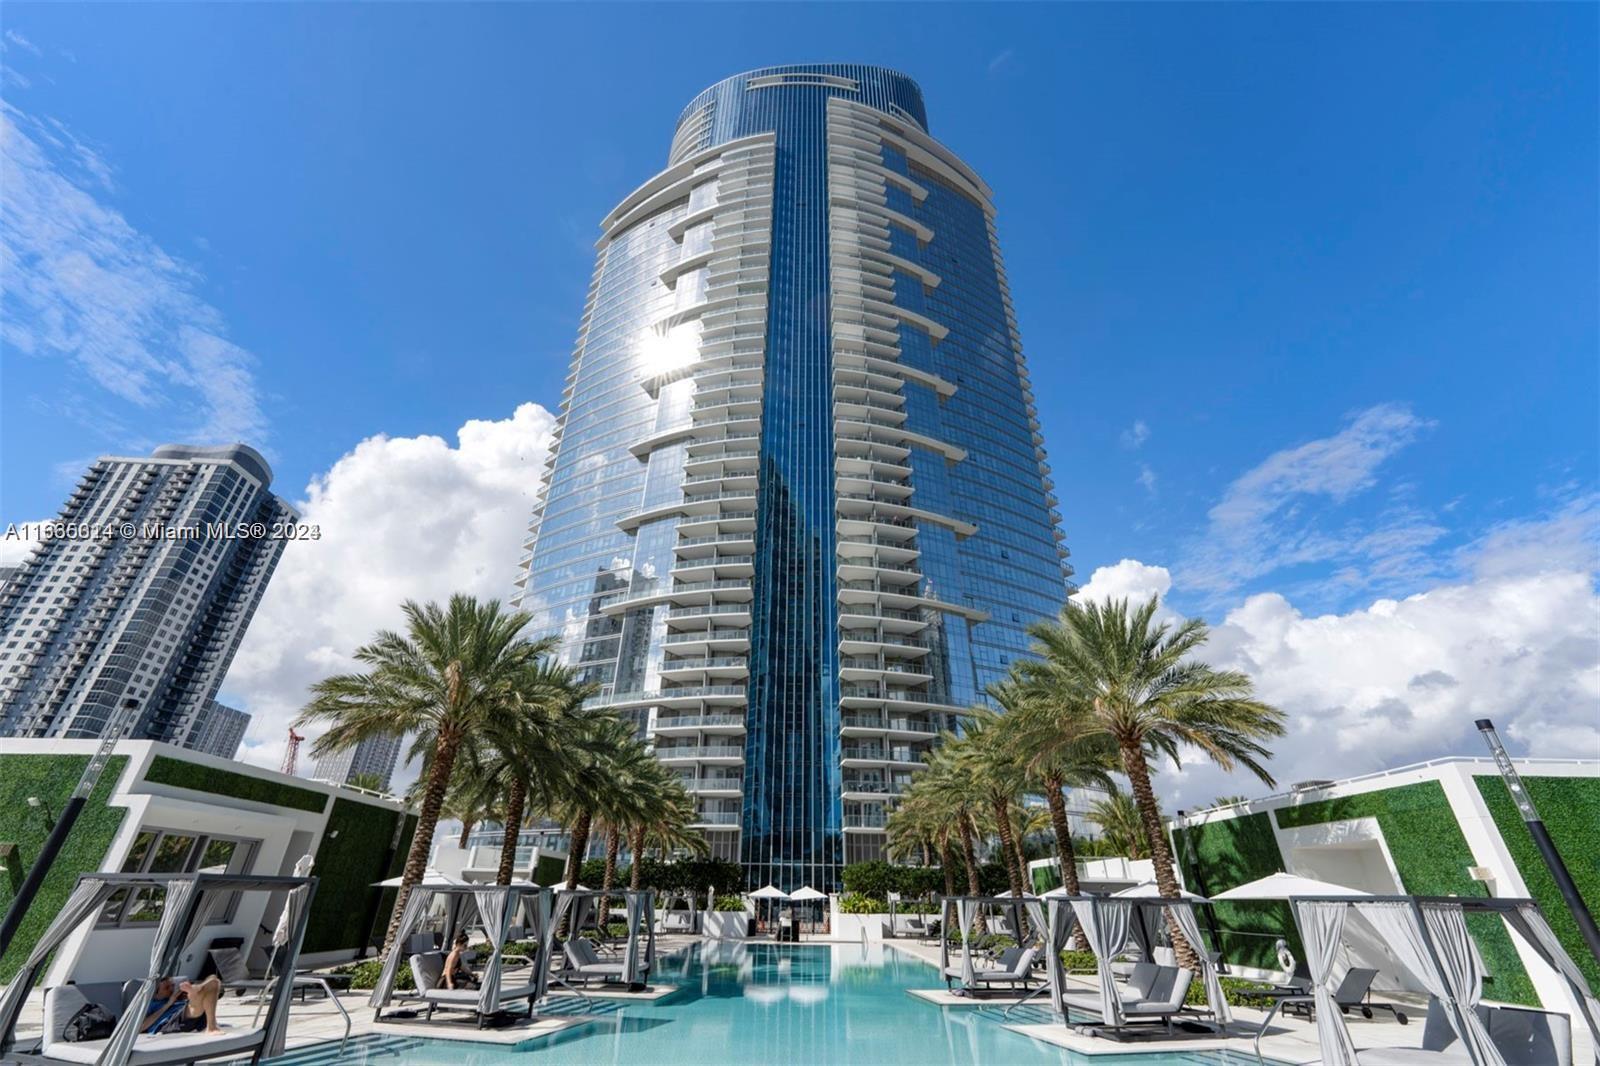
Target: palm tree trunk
[
  {"x": 515, "y": 803},
  {"x": 1008, "y": 842},
  {"x": 948, "y": 865},
  {"x": 613, "y": 845},
  {"x": 1138, "y": 774},
  {"x": 1055, "y": 797},
  {"x": 636, "y": 845},
  {"x": 969, "y": 855},
  {"x": 467, "y": 826},
  {"x": 1022, "y": 858},
  {"x": 443, "y": 763},
  {"x": 579, "y": 845}
]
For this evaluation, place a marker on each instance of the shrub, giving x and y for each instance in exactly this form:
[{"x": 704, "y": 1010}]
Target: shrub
[
  {"x": 878, "y": 878},
  {"x": 1079, "y": 960},
  {"x": 730, "y": 903},
  {"x": 364, "y": 974},
  {"x": 859, "y": 903}
]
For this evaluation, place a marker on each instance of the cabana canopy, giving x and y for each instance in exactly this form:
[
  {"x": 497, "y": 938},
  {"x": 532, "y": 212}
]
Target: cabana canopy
[
  {"x": 496, "y": 906},
  {"x": 1111, "y": 924},
  {"x": 1151, "y": 890},
  {"x": 1428, "y": 934},
  {"x": 188, "y": 903},
  {"x": 636, "y": 963}
]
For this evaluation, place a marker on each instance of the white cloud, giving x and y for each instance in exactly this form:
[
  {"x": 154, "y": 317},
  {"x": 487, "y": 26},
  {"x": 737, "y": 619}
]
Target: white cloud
[
  {"x": 81, "y": 283},
  {"x": 1147, "y": 479},
  {"x": 1515, "y": 638},
  {"x": 1268, "y": 519},
  {"x": 1135, "y": 435},
  {"x": 22, "y": 42},
  {"x": 401, "y": 518}
]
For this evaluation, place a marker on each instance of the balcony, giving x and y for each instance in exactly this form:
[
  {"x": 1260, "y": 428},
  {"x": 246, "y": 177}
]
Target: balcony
[{"x": 681, "y": 724}]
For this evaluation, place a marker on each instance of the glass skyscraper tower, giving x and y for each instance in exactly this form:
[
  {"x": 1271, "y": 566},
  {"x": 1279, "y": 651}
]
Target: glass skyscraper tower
[{"x": 798, "y": 513}]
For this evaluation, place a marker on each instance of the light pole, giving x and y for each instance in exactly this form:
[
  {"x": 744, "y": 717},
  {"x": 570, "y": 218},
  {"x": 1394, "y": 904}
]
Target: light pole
[
  {"x": 62, "y": 828},
  {"x": 1541, "y": 837}
]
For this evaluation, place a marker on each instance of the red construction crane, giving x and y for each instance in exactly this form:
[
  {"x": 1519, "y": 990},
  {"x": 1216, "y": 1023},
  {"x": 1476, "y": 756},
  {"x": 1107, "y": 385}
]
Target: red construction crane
[{"x": 291, "y": 754}]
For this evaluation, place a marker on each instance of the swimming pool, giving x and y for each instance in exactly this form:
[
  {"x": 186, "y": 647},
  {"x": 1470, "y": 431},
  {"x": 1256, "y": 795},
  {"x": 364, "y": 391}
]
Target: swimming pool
[{"x": 743, "y": 1004}]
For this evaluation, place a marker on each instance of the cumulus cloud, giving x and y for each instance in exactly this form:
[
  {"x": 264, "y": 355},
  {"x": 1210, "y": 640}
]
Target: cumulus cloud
[
  {"x": 1279, "y": 514},
  {"x": 83, "y": 284},
  {"x": 401, "y": 518},
  {"x": 1514, "y": 637}
]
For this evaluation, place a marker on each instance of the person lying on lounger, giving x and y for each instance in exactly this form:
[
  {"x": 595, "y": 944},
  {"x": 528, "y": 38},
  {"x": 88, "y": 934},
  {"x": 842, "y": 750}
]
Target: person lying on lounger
[
  {"x": 184, "y": 1006},
  {"x": 457, "y": 974}
]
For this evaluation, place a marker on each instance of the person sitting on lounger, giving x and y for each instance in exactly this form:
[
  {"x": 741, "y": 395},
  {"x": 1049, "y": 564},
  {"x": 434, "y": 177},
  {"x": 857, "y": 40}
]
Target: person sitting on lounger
[
  {"x": 184, "y": 1006},
  {"x": 457, "y": 974}
]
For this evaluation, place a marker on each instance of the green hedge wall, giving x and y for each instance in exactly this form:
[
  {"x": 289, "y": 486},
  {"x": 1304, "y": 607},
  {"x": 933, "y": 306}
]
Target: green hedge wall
[
  {"x": 51, "y": 778},
  {"x": 165, "y": 770},
  {"x": 1570, "y": 808},
  {"x": 1230, "y": 854},
  {"x": 1432, "y": 858},
  {"x": 346, "y": 904}
]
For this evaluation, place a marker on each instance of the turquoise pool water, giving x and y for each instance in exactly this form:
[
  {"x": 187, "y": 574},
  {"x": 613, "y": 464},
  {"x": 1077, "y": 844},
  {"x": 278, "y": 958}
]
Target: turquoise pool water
[{"x": 756, "y": 1004}]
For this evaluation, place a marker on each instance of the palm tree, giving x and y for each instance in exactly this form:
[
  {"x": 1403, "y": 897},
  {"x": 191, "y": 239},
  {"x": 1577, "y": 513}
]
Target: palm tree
[
  {"x": 918, "y": 826},
  {"x": 947, "y": 788},
  {"x": 592, "y": 766},
  {"x": 1146, "y": 695},
  {"x": 455, "y": 668},
  {"x": 664, "y": 823},
  {"x": 1052, "y": 737},
  {"x": 1121, "y": 824},
  {"x": 994, "y": 774},
  {"x": 464, "y": 803},
  {"x": 633, "y": 772},
  {"x": 519, "y": 758}
]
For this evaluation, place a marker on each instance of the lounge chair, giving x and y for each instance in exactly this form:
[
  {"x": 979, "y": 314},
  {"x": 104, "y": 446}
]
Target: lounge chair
[
  {"x": 427, "y": 970},
  {"x": 1524, "y": 1037},
  {"x": 1168, "y": 988},
  {"x": 1014, "y": 968},
  {"x": 584, "y": 964},
  {"x": 159, "y": 1049},
  {"x": 677, "y": 922},
  {"x": 1354, "y": 993}
]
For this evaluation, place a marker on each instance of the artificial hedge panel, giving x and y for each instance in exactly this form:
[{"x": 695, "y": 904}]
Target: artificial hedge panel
[
  {"x": 51, "y": 778},
  {"x": 1570, "y": 809},
  {"x": 346, "y": 904},
  {"x": 1231, "y": 853},
  {"x": 1432, "y": 857},
  {"x": 165, "y": 770}
]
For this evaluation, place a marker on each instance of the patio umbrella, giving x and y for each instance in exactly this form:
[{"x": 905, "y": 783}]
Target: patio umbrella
[
  {"x": 1285, "y": 886},
  {"x": 807, "y": 894},
  {"x": 769, "y": 892},
  {"x": 431, "y": 878}
]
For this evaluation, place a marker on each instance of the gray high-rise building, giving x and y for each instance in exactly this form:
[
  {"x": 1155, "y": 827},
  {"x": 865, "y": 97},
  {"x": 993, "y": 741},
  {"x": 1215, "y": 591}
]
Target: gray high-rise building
[
  {"x": 798, "y": 514},
  {"x": 127, "y": 617},
  {"x": 375, "y": 756},
  {"x": 221, "y": 731}
]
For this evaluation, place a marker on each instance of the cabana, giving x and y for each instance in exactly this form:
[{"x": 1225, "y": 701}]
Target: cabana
[
  {"x": 1154, "y": 992},
  {"x": 1429, "y": 936},
  {"x": 497, "y": 906},
  {"x": 675, "y": 919},
  {"x": 189, "y": 901},
  {"x": 1013, "y": 967},
  {"x": 637, "y": 960}
]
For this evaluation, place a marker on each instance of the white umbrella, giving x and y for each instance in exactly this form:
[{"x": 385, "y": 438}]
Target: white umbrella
[
  {"x": 1150, "y": 890},
  {"x": 431, "y": 878},
  {"x": 807, "y": 893},
  {"x": 280, "y": 935},
  {"x": 769, "y": 892},
  {"x": 1286, "y": 886}
]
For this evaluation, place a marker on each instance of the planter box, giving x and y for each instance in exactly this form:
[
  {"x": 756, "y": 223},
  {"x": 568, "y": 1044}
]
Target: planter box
[
  {"x": 851, "y": 926},
  {"x": 726, "y": 925}
]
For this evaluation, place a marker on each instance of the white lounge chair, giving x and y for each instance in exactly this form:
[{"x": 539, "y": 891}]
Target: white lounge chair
[
  {"x": 427, "y": 970},
  {"x": 157, "y": 1049},
  {"x": 1015, "y": 968},
  {"x": 584, "y": 964}
]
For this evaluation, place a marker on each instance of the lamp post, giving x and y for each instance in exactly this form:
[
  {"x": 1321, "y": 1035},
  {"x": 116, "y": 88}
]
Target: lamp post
[
  {"x": 62, "y": 828},
  {"x": 1541, "y": 837}
]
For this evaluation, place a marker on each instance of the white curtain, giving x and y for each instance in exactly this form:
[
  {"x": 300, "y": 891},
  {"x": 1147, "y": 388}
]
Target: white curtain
[
  {"x": 633, "y": 961},
  {"x": 969, "y": 911},
  {"x": 291, "y": 924},
  {"x": 539, "y": 917},
  {"x": 1530, "y": 924},
  {"x": 163, "y": 952},
  {"x": 416, "y": 902},
  {"x": 1462, "y": 972},
  {"x": 1397, "y": 925},
  {"x": 1106, "y": 925},
  {"x": 86, "y": 898},
  {"x": 1036, "y": 919},
  {"x": 1183, "y": 915},
  {"x": 1321, "y": 924},
  {"x": 493, "y": 910},
  {"x": 1061, "y": 921}
]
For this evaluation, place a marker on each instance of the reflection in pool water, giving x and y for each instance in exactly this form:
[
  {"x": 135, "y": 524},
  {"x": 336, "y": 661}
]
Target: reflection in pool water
[{"x": 761, "y": 1003}]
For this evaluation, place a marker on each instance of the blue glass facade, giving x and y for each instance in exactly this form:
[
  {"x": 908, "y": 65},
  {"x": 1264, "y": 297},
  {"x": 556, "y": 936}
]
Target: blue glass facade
[{"x": 798, "y": 513}]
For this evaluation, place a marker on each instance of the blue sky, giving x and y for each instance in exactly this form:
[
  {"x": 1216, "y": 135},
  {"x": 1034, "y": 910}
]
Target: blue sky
[{"x": 1308, "y": 292}]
